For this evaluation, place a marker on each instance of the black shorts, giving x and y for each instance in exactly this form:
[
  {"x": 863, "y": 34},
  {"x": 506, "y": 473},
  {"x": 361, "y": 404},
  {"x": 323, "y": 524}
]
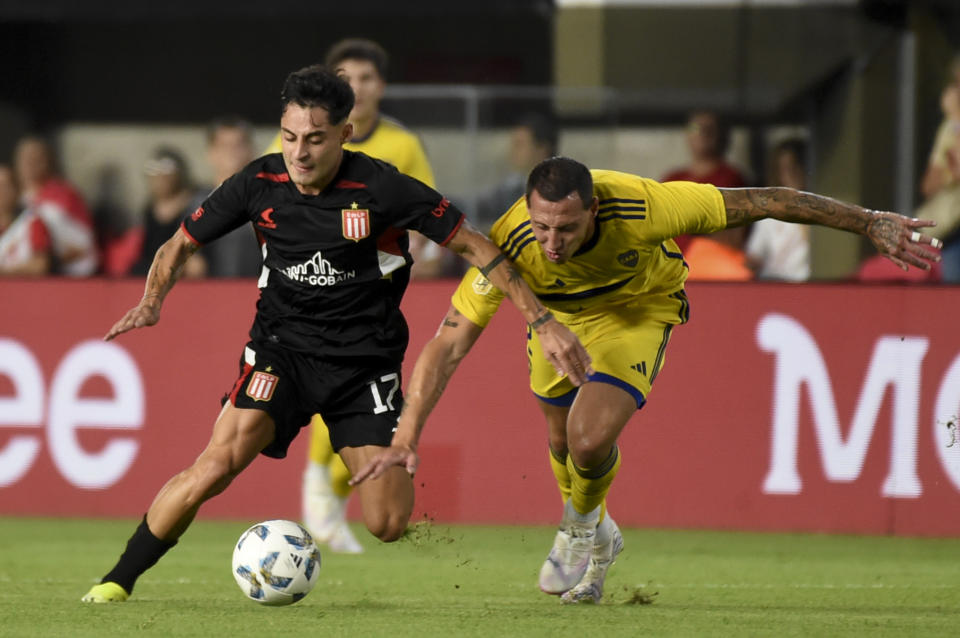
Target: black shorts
[{"x": 359, "y": 399}]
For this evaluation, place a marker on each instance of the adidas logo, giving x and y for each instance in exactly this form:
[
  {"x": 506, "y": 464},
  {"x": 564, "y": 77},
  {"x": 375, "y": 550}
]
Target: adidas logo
[
  {"x": 559, "y": 283},
  {"x": 640, "y": 367}
]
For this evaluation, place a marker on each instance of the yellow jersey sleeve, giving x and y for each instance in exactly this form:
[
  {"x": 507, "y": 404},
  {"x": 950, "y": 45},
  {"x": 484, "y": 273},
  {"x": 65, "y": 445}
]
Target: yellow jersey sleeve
[
  {"x": 683, "y": 208},
  {"x": 476, "y": 298},
  {"x": 416, "y": 165}
]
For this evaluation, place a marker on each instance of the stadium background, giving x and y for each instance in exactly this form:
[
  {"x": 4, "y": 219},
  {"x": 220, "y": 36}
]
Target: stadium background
[{"x": 861, "y": 80}]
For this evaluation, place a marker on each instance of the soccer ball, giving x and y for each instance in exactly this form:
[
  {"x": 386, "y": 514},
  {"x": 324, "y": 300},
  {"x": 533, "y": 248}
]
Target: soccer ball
[{"x": 276, "y": 562}]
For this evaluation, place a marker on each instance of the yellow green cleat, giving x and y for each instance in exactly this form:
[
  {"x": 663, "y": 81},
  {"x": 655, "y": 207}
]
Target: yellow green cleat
[{"x": 106, "y": 593}]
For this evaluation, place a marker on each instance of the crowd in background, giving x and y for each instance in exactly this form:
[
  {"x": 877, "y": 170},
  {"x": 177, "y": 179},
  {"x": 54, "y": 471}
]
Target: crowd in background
[{"x": 46, "y": 227}]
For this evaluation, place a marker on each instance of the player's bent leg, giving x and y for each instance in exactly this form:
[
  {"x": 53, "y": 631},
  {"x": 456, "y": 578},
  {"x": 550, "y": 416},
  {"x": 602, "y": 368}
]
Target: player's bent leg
[
  {"x": 594, "y": 421},
  {"x": 387, "y": 501},
  {"x": 598, "y": 415},
  {"x": 238, "y": 436}
]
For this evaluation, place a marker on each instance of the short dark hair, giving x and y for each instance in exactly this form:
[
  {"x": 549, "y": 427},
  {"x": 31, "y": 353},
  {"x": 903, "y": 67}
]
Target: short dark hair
[
  {"x": 543, "y": 128},
  {"x": 358, "y": 49},
  {"x": 229, "y": 121},
  {"x": 316, "y": 86},
  {"x": 557, "y": 177}
]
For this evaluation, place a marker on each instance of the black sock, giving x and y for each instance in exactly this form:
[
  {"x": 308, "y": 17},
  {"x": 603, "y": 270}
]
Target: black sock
[{"x": 142, "y": 552}]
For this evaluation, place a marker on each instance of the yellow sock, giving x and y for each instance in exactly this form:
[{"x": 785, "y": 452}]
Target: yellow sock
[
  {"x": 321, "y": 452},
  {"x": 589, "y": 486},
  {"x": 320, "y": 449},
  {"x": 339, "y": 477},
  {"x": 560, "y": 472}
]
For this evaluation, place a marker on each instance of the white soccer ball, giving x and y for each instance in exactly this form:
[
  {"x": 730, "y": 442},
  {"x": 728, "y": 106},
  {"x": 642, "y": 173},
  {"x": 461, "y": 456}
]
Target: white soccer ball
[{"x": 276, "y": 562}]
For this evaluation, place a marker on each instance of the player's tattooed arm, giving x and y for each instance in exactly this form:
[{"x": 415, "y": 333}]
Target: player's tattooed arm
[
  {"x": 452, "y": 318},
  {"x": 561, "y": 347},
  {"x": 894, "y": 235},
  {"x": 166, "y": 268},
  {"x": 434, "y": 367}
]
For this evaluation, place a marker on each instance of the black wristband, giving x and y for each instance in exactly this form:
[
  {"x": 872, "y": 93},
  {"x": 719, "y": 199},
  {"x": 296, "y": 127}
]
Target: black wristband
[{"x": 542, "y": 320}]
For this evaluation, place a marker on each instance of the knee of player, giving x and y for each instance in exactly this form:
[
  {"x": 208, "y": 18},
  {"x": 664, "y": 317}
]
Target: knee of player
[
  {"x": 588, "y": 450},
  {"x": 558, "y": 445},
  {"x": 388, "y": 528}
]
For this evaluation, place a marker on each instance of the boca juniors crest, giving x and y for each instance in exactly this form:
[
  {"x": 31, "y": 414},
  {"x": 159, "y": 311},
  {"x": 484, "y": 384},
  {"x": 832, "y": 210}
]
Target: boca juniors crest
[{"x": 356, "y": 223}]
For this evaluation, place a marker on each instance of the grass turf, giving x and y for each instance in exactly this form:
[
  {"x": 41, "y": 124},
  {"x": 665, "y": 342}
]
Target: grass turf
[{"x": 445, "y": 580}]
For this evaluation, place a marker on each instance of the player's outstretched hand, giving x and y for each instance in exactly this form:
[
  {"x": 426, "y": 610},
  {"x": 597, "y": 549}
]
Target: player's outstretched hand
[
  {"x": 564, "y": 351},
  {"x": 393, "y": 455},
  {"x": 900, "y": 240},
  {"x": 142, "y": 315}
]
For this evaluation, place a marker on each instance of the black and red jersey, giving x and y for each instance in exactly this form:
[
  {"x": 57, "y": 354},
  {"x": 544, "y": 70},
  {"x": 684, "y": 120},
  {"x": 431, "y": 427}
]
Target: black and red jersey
[{"x": 335, "y": 264}]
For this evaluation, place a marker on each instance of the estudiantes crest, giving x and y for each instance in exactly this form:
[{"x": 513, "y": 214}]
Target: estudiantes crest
[{"x": 356, "y": 223}]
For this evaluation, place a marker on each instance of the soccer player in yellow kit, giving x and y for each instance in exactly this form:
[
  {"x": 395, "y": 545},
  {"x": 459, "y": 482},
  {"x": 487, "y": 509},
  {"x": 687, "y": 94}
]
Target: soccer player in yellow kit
[
  {"x": 596, "y": 248},
  {"x": 363, "y": 64}
]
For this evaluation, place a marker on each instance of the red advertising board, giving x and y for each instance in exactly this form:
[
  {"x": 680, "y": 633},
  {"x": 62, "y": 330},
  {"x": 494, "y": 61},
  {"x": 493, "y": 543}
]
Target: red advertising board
[{"x": 780, "y": 407}]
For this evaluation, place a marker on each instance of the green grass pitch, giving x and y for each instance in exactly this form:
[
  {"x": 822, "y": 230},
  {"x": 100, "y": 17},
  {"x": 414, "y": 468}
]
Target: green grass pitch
[{"x": 444, "y": 580}]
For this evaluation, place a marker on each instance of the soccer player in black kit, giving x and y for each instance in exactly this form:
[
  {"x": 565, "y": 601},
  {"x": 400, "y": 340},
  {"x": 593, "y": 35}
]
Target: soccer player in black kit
[{"x": 328, "y": 336}]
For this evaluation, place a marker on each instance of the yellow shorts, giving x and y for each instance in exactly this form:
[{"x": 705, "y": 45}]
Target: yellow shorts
[{"x": 626, "y": 343}]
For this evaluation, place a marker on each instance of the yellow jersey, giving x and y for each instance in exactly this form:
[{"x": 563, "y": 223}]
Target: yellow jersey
[
  {"x": 630, "y": 259},
  {"x": 391, "y": 142}
]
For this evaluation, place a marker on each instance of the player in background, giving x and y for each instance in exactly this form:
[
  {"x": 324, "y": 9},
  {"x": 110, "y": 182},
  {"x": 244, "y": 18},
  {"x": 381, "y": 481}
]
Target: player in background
[
  {"x": 328, "y": 336},
  {"x": 363, "y": 64},
  {"x": 596, "y": 247}
]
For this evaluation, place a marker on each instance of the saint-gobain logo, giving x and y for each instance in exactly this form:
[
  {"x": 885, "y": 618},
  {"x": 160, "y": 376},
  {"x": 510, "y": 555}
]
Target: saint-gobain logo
[{"x": 317, "y": 271}]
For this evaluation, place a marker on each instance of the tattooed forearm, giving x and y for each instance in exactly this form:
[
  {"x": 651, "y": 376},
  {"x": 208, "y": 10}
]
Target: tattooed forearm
[
  {"x": 746, "y": 205},
  {"x": 167, "y": 267}
]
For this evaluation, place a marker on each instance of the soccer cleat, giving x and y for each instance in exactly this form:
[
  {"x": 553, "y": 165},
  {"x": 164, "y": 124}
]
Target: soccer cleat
[
  {"x": 106, "y": 593},
  {"x": 570, "y": 555},
  {"x": 324, "y": 514},
  {"x": 590, "y": 587}
]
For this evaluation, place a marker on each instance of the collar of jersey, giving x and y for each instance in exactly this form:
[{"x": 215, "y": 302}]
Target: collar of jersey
[
  {"x": 590, "y": 243},
  {"x": 361, "y": 140}
]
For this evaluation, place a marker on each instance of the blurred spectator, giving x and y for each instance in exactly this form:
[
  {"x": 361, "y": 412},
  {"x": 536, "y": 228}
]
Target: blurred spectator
[
  {"x": 24, "y": 239},
  {"x": 721, "y": 255},
  {"x": 229, "y": 149},
  {"x": 363, "y": 64},
  {"x": 708, "y": 139},
  {"x": 172, "y": 197},
  {"x": 777, "y": 250},
  {"x": 941, "y": 180},
  {"x": 59, "y": 205},
  {"x": 532, "y": 139},
  {"x": 117, "y": 237}
]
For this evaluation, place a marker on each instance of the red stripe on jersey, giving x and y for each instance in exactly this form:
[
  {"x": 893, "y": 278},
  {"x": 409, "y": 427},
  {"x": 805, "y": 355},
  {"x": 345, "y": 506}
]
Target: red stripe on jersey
[
  {"x": 274, "y": 177},
  {"x": 388, "y": 242},
  {"x": 247, "y": 368},
  {"x": 186, "y": 232},
  {"x": 346, "y": 183},
  {"x": 454, "y": 231}
]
